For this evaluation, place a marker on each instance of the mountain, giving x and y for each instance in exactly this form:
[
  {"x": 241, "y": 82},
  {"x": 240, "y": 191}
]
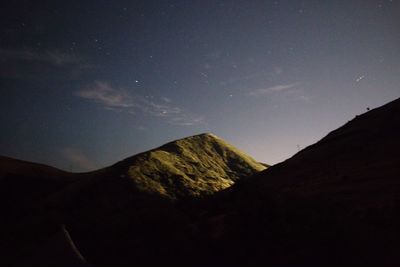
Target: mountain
[
  {"x": 110, "y": 212},
  {"x": 194, "y": 166},
  {"x": 335, "y": 203},
  {"x": 23, "y": 185}
]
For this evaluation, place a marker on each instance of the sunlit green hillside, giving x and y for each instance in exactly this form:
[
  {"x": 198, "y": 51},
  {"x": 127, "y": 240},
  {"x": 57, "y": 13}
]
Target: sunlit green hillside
[{"x": 200, "y": 164}]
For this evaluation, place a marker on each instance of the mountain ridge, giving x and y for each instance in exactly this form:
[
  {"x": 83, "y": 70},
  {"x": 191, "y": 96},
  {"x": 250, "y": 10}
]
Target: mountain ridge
[
  {"x": 120, "y": 202},
  {"x": 335, "y": 203},
  {"x": 198, "y": 164}
]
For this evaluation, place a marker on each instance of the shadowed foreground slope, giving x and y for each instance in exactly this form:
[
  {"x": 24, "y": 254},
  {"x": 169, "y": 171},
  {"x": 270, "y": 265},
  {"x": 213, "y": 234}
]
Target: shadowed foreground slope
[
  {"x": 126, "y": 213},
  {"x": 336, "y": 203}
]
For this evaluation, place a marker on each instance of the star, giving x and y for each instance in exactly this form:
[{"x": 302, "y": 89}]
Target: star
[{"x": 360, "y": 78}]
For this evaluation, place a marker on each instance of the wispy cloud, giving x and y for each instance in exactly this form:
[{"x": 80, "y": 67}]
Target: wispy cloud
[
  {"x": 166, "y": 99},
  {"x": 78, "y": 159},
  {"x": 55, "y": 58},
  {"x": 185, "y": 120},
  {"x": 260, "y": 75},
  {"x": 141, "y": 128},
  {"x": 103, "y": 93},
  {"x": 244, "y": 78},
  {"x": 272, "y": 89},
  {"x": 33, "y": 64},
  {"x": 120, "y": 100}
]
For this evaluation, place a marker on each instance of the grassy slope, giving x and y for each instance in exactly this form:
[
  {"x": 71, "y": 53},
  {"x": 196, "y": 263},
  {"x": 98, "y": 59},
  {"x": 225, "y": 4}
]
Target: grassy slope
[{"x": 193, "y": 166}]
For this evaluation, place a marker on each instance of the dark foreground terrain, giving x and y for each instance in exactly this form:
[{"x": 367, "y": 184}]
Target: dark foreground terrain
[{"x": 335, "y": 203}]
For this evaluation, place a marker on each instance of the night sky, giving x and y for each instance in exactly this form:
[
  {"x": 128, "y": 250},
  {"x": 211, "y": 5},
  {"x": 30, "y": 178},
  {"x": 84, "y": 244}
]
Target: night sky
[{"x": 87, "y": 83}]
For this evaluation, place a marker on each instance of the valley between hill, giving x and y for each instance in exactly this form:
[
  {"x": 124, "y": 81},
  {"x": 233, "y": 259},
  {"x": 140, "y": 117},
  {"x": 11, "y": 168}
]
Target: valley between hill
[{"x": 199, "y": 201}]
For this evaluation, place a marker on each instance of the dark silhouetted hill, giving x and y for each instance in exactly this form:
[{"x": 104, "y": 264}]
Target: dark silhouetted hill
[
  {"x": 335, "y": 203},
  {"x": 119, "y": 214}
]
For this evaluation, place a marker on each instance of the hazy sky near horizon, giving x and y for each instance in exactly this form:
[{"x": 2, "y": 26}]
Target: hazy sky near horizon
[{"x": 87, "y": 83}]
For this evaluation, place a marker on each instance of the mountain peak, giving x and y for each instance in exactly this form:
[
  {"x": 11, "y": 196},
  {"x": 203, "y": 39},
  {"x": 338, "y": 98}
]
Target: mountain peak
[
  {"x": 203, "y": 137},
  {"x": 191, "y": 166},
  {"x": 208, "y": 135}
]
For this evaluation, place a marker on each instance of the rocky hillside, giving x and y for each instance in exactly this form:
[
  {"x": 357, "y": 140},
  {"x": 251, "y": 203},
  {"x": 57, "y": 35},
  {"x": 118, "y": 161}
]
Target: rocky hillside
[{"x": 197, "y": 165}]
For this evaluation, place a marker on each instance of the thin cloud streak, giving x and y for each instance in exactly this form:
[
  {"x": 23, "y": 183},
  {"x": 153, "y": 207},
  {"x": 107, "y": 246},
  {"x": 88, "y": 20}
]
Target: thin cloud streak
[
  {"x": 119, "y": 100},
  {"x": 248, "y": 77},
  {"x": 273, "y": 89},
  {"x": 252, "y": 76},
  {"x": 54, "y": 58},
  {"x": 104, "y": 94},
  {"x": 30, "y": 64}
]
